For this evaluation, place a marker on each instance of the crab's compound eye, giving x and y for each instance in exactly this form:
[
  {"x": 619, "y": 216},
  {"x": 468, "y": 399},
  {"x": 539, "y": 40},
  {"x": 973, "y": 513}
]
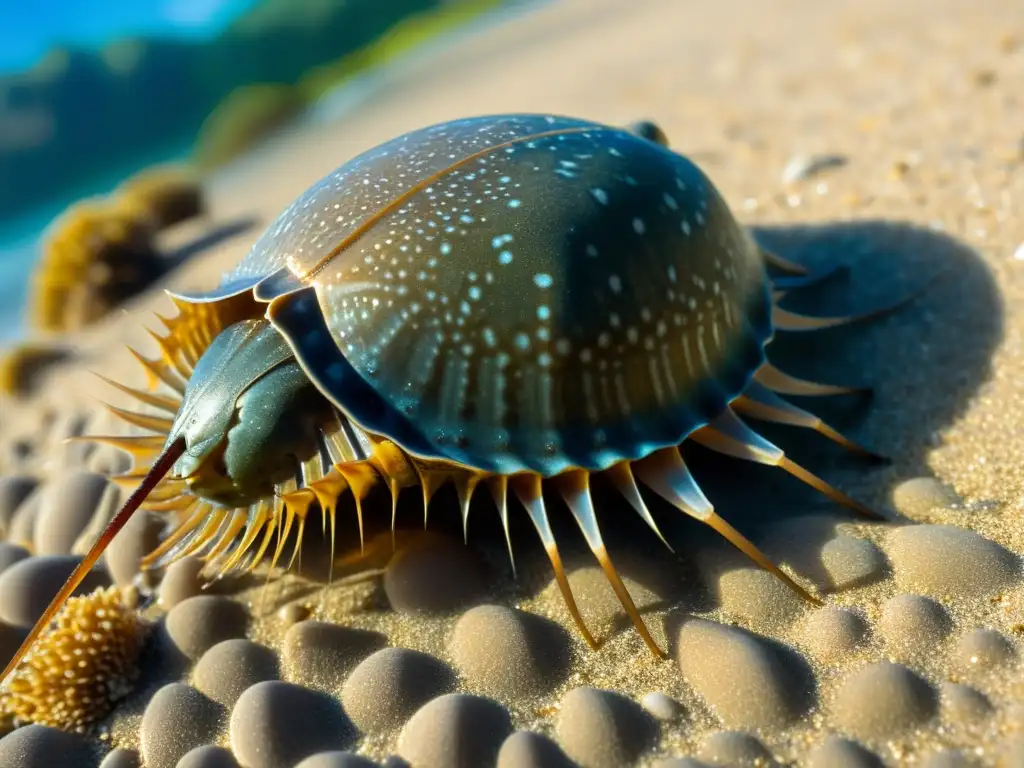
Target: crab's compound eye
[{"x": 651, "y": 131}]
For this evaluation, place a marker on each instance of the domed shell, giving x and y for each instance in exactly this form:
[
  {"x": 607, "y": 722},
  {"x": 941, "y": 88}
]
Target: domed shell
[{"x": 517, "y": 293}]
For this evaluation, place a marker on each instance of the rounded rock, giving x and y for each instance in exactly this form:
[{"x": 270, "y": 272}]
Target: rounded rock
[
  {"x": 837, "y": 752},
  {"x": 38, "y": 746},
  {"x": 209, "y": 756},
  {"x": 276, "y": 724},
  {"x": 912, "y": 624},
  {"x": 662, "y": 706},
  {"x": 832, "y": 633},
  {"x": 181, "y": 581},
  {"x": 759, "y": 597},
  {"x": 747, "y": 682},
  {"x": 736, "y": 749},
  {"x": 433, "y": 575},
  {"x": 197, "y": 624},
  {"x": 389, "y": 686},
  {"x": 27, "y": 587},
  {"x": 852, "y": 562},
  {"x": 681, "y": 762},
  {"x": 525, "y": 749},
  {"x": 231, "y": 666},
  {"x": 123, "y": 758},
  {"x": 456, "y": 730},
  {"x": 919, "y": 497},
  {"x": 11, "y": 639},
  {"x": 177, "y": 720},
  {"x": 963, "y": 705},
  {"x": 23, "y": 524},
  {"x": 318, "y": 654},
  {"x": 508, "y": 653},
  {"x": 883, "y": 700},
  {"x": 11, "y": 554},
  {"x": 603, "y": 729},
  {"x": 336, "y": 760},
  {"x": 139, "y": 537},
  {"x": 67, "y": 507},
  {"x": 14, "y": 489},
  {"x": 943, "y": 560},
  {"x": 981, "y": 650},
  {"x": 293, "y": 613}
]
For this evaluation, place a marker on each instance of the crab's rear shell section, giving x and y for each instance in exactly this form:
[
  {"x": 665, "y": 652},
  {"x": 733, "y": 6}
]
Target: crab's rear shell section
[{"x": 517, "y": 293}]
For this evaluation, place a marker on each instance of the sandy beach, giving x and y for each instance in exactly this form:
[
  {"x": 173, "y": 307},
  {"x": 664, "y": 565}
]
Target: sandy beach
[{"x": 888, "y": 136}]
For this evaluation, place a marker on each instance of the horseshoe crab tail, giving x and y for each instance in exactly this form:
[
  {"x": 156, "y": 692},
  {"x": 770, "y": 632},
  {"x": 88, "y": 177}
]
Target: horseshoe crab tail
[{"x": 160, "y": 467}]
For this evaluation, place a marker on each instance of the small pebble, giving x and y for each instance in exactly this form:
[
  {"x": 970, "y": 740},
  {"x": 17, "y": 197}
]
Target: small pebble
[
  {"x": 14, "y": 489},
  {"x": 209, "y": 756},
  {"x": 802, "y": 167},
  {"x": 647, "y": 583},
  {"x": 456, "y": 730},
  {"x": 735, "y": 749},
  {"x": 231, "y": 666},
  {"x": 23, "y": 524},
  {"x": 831, "y": 634},
  {"x": 293, "y": 613},
  {"x": 851, "y": 562},
  {"x": 27, "y": 587},
  {"x": 318, "y": 654},
  {"x": 911, "y": 624},
  {"x": 123, "y": 758},
  {"x": 982, "y": 650},
  {"x": 181, "y": 581},
  {"x": 526, "y": 749},
  {"x": 389, "y": 686},
  {"x": 603, "y": 729},
  {"x": 336, "y": 760},
  {"x": 433, "y": 575},
  {"x": 747, "y": 682},
  {"x": 140, "y": 536},
  {"x": 68, "y": 505},
  {"x": 963, "y": 705},
  {"x": 11, "y": 554},
  {"x": 837, "y": 752},
  {"x": 508, "y": 653},
  {"x": 662, "y": 706},
  {"x": 758, "y": 597},
  {"x": 919, "y": 497},
  {"x": 883, "y": 700},
  {"x": 37, "y": 746},
  {"x": 197, "y": 624},
  {"x": 276, "y": 724},
  {"x": 177, "y": 719},
  {"x": 942, "y": 560}
]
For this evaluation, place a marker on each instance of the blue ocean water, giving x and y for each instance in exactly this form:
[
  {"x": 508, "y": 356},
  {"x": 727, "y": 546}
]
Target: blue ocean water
[{"x": 27, "y": 31}]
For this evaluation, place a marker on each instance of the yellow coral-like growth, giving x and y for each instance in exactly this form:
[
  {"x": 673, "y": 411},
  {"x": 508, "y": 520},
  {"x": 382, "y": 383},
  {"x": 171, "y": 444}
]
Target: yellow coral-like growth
[
  {"x": 87, "y": 661},
  {"x": 170, "y": 194},
  {"x": 97, "y": 254}
]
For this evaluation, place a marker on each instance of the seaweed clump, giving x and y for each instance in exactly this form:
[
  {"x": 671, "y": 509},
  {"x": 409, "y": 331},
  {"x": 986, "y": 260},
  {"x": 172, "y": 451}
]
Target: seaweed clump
[
  {"x": 169, "y": 194},
  {"x": 23, "y": 365},
  {"x": 99, "y": 253},
  {"x": 86, "y": 662}
]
